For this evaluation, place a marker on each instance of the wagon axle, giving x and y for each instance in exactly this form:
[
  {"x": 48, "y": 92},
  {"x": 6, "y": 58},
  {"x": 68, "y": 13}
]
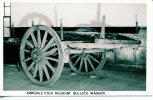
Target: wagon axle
[{"x": 37, "y": 55}]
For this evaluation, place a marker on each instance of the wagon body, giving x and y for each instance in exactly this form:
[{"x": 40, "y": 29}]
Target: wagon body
[{"x": 88, "y": 37}]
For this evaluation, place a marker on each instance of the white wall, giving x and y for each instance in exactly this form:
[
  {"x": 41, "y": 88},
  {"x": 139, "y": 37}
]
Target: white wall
[{"x": 75, "y": 14}]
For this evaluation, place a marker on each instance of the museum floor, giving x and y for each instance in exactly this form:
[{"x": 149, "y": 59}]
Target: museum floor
[{"x": 106, "y": 80}]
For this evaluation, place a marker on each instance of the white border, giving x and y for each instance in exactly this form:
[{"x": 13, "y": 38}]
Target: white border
[
  {"x": 1, "y": 50},
  {"x": 149, "y": 80},
  {"x": 79, "y": 1}
]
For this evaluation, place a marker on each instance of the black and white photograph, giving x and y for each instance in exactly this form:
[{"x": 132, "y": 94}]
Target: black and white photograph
[{"x": 75, "y": 49}]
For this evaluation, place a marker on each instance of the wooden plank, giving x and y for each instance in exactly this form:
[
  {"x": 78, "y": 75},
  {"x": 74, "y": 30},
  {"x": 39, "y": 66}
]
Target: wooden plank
[
  {"x": 97, "y": 45},
  {"x": 107, "y": 41},
  {"x": 78, "y": 51}
]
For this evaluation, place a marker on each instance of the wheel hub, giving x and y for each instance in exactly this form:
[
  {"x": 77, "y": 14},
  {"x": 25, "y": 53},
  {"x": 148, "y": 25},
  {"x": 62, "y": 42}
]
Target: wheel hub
[{"x": 37, "y": 55}]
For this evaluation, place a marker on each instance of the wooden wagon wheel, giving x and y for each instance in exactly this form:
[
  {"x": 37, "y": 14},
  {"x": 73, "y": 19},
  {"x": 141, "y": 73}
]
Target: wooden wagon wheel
[
  {"x": 37, "y": 18},
  {"x": 87, "y": 63},
  {"x": 41, "y": 55}
]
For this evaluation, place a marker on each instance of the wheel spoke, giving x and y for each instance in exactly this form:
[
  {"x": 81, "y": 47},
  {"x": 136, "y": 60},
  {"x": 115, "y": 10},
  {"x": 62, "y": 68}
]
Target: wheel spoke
[
  {"x": 30, "y": 44},
  {"x": 85, "y": 62},
  {"x": 25, "y": 50},
  {"x": 103, "y": 56},
  {"x": 81, "y": 64},
  {"x": 44, "y": 40},
  {"x": 77, "y": 61},
  {"x": 39, "y": 38},
  {"x": 74, "y": 56},
  {"x": 90, "y": 63},
  {"x": 40, "y": 72},
  {"x": 34, "y": 39},
  {"x": 32, "y": 64},
  {"x": 50, "y": 66},
  {"x": 48, "y": 45},
  {"x": 51, "y": 52},
  {"x": 27, "y": 59},
  {"x": 93, "y": 58},
  {"x": 46, "y": 71},
  {"x": 53, "y": 44},
  {"x": 53, "y": 59},
  {"x": 35, "y": 70}
]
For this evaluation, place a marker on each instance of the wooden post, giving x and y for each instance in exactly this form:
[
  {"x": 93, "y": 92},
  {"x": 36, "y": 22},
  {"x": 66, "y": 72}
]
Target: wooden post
[
  {"x": 12, "y": 28},
  {"x": 32, "y": 23},
  {"x": 61, "y": 26},
  {"x": 102, "y": 34},
  {"x": 137, "y": 30}
]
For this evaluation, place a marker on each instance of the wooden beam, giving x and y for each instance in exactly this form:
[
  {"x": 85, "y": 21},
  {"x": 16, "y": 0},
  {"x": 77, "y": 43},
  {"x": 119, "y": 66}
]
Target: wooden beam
[
  {"x": 98, "y": 45},
  {"x": 78, "y": 51},
  {"x": 61, "y": 26},
  {"x": 102, "y": 34},
  {"x": 108, "y": 41}
]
